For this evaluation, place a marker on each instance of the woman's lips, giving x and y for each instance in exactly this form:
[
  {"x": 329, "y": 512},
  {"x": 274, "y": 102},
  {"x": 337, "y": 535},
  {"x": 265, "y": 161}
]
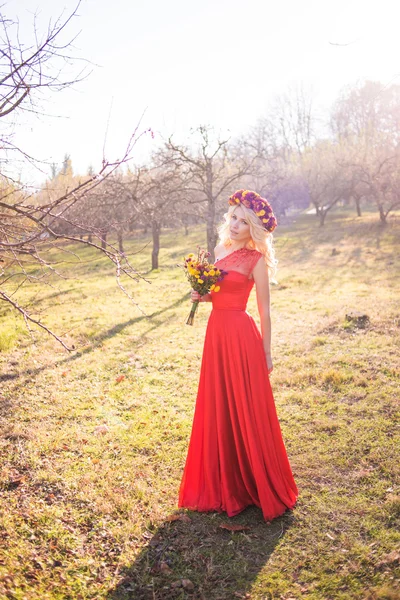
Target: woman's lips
[{"x": 234, "y": 232}]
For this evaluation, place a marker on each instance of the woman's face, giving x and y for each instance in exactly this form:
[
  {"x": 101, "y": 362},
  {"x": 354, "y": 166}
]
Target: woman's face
[{"x": 239, "y": 228}]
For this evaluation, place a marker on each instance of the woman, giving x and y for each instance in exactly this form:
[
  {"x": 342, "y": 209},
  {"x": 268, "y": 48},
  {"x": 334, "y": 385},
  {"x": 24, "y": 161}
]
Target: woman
[{"x": 236, "y": 455}]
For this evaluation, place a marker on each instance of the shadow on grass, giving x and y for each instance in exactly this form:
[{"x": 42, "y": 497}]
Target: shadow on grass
[
  {"x": 98, "y": 340},
  {"x": 53, "y": 295},
  {"x": 121, "y": 326},
  {"x": 197, "y": 558}
]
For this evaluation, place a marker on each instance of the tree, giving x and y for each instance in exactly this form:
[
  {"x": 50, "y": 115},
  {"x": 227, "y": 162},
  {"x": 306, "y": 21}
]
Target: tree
[
  {"x": 291, "y": 123},
  {"x": 156, "y": 191},
  {"x": 28, "y": 69},
  {"x": 367, "y": 119},
  {"x": 272, "y": 171},
  {"x": 369, "y": 112},
  {"x": 27, "y": 221},
  {"x": 278, "y": 142},
  {"x": 379, "y": 175},
  {"x": 66, "y": 169},
  {"x": 208, "y": 171},
  {"x": 329, "y": 179}
]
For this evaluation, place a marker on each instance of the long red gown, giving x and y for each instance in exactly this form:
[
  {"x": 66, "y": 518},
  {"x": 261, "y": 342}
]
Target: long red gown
[{"x": 236, "y": 454}]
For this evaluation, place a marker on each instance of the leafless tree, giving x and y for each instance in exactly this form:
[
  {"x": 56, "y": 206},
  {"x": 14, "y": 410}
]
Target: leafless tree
[
  {"x": 379, "y": 176},
  {"x": 329, "y": 177},
  {"x": 278, "y": 141},
  {"x": 272, "y": 166},
  {"x": 291, "y": 122},
  {"x": 106, "y": 209},
  {"x": 366, "y": 117},
  {"x": 368, "y": 112},
  {"x": 30, "y": 222},
  {"x": 209, "y": 170},
  {"x": 156, "y": 192},
  {"x": 28, "y": 70}
]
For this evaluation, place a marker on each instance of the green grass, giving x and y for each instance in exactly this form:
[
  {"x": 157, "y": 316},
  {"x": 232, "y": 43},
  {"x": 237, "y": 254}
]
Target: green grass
[{"x": 93, "y": 443}]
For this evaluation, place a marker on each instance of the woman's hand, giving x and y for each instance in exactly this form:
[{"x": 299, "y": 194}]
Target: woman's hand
[
  {"x": 195, "y": 296},
  {"x": 270, "y": 366}
]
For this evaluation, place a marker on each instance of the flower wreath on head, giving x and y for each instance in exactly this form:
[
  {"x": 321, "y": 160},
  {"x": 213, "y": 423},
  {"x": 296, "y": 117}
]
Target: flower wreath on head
[{"x": 256, "y": 203}]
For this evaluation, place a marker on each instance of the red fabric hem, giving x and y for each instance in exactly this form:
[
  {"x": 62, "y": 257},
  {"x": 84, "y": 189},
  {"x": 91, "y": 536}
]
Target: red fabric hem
[{"x": 238, "y": 511}]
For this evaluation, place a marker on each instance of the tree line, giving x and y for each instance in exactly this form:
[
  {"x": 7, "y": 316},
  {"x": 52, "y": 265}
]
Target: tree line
[{"x": 355, "y": 162}]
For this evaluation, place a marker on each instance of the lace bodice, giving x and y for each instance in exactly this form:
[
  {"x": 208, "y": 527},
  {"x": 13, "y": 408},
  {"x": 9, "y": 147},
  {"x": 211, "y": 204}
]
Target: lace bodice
[
  {"x": 237, "y": 284},
  {"x": 242, "y": 260}
]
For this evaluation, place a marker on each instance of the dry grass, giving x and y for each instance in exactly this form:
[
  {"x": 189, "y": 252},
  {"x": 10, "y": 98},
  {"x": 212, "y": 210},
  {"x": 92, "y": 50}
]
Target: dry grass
[{"x": 93, "y": 443}]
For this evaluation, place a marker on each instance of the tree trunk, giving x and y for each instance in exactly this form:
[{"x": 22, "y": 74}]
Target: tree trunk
[
  {"x": 317, "y": 209},
  {"x": 382, "y": 214},
  {"x": 120, "y": 242},
  {"x": 358, "y": 206},
  {"x": 155, "y": 228},
  {"x": 322, "y": 217},
  {"x": 185, "y": 223},
  {"x": 211, "y": 233},
  {"x": 90, "y": 238},
  {"x": 103, "y": 235}
]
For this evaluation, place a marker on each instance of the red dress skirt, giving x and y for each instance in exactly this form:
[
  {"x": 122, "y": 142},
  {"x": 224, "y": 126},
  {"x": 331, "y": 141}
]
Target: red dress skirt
[{"x": 236, "y": 454}]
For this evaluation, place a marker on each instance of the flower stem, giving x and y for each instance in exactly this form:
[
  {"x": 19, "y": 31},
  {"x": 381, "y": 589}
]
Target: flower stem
[{"x": 190, "y": 318}]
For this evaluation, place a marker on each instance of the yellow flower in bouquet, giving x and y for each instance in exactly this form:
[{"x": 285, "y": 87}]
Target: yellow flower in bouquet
[{"x": 203, "y": 277}]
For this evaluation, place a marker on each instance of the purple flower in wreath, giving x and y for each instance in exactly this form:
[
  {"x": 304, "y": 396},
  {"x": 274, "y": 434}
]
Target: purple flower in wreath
[
  {"x": 251, "y": 196},
  {"x": 256, "y": 203}
]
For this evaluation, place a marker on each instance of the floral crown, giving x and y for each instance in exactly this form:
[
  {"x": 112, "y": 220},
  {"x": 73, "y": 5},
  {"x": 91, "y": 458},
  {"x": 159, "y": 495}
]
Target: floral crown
[{"x": 259, "y": 205}]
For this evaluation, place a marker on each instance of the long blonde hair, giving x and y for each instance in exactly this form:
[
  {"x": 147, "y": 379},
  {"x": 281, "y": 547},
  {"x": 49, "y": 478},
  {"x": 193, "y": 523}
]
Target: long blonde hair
[{"x": 261, "y": 239}]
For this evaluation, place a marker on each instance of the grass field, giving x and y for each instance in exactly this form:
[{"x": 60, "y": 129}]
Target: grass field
[{"x": 93, "y": 443}]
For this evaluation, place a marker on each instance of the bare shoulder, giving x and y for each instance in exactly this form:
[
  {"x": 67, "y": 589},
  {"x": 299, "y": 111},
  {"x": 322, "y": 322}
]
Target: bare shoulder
[
  {"x": 219, "y": 248},
  {"x": 260, "y": 270},
  {"x": 258, "y": 259}
]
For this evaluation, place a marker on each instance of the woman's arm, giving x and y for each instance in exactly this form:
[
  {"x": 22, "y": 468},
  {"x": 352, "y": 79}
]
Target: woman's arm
[{"x": 261, "y": 279}]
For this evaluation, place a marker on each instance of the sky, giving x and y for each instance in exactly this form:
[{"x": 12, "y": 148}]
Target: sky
[{"x": 181, "y": 63}]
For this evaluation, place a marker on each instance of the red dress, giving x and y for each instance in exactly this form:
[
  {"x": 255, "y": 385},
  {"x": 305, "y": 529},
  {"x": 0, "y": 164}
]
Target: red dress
[{"x": 236, "y": 454}]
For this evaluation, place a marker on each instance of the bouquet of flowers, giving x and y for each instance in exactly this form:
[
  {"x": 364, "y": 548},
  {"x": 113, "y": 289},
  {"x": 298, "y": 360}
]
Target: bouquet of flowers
[{"x": 203, "y": 277}]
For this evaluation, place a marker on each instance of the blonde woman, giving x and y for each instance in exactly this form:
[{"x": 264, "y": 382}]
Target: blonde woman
[{"x": 236, "y": 456}]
